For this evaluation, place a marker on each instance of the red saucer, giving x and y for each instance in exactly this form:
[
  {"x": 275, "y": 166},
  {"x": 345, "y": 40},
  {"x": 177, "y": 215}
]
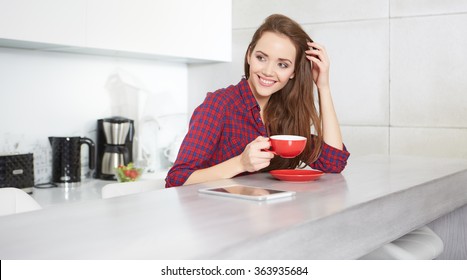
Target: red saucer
[{"x": 296, "y": 175}]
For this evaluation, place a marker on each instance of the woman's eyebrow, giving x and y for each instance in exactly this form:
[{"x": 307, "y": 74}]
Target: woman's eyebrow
[{"x": 281, "y": 59}]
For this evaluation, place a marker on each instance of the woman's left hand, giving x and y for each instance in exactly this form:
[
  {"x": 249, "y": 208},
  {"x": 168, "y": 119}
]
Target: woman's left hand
[{"x": 319, "y": 64}]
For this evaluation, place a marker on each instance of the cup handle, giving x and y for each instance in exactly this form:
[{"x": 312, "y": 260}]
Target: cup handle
[{"x": 267, "y": 150}]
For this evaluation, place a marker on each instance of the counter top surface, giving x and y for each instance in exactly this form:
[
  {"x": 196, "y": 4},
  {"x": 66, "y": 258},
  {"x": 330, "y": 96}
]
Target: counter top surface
[
  {"x": 88, "y": 189},
  {"x": 340, "y": 216}
]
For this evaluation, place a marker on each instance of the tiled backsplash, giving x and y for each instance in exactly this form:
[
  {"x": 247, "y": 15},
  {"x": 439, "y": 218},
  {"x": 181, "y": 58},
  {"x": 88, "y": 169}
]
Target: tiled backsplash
[
  {"x": 42, "y": 161},
  {"x": 58, "y": 94}
]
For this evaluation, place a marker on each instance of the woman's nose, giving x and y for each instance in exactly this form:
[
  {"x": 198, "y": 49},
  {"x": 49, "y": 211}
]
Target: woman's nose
[{"x": 268, "y": 69}]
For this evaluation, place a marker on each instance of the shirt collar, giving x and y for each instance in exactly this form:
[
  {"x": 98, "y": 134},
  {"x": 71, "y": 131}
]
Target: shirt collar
[{"x": 247, "y": 95}]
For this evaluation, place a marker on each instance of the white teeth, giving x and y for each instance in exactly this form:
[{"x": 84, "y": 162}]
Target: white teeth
[{"x": 266, "y": 81}]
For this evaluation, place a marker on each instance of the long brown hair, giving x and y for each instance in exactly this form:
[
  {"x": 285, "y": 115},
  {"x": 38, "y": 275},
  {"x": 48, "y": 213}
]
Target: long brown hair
[{"x": 292, "y": 109}]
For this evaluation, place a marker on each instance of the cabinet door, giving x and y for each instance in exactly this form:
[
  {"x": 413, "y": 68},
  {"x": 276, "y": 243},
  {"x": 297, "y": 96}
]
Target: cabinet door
[
  {"x": 47, "y": 21},
  {"x": 103, "y": 21},
  {"x": 176, "y": 28},
  {"x": 198, "y": 29}
]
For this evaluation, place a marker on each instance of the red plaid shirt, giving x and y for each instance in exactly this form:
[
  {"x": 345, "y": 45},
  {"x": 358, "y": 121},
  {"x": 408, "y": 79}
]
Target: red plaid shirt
[{"x": 220, "y": 129}]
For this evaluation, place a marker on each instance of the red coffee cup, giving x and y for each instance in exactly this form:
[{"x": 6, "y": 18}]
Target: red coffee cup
[{"x": 287, "y": 146}]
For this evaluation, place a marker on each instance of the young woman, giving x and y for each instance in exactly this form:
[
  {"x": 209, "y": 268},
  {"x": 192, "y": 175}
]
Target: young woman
[{"x": 228, "y": 132}]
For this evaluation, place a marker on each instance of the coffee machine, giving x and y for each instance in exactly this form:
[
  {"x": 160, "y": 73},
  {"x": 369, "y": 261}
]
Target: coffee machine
[{"x": 114, "y": 145}]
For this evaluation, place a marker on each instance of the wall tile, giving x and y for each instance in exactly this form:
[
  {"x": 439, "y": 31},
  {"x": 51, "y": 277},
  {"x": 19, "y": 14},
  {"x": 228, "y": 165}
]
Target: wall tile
[
  {"x": 359, "y": 54},
  {"x": 402, "y": 8},
  {"x": 437, "y": 142},
  {"x": 428, "y": 83},
  {"x": 250, "y": 14},
  {"x": 365, "y": 140}
]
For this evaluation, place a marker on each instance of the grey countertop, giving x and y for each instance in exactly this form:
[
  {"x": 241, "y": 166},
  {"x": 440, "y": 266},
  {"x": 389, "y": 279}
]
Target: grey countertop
[
  {"x": 340, "y": 216},
  {"x": 87, "y": 189}
]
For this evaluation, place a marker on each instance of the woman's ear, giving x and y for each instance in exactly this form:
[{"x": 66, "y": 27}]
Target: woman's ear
[
  {"x": 293, "y": 76},
  {"x": 248, "y": 56}
]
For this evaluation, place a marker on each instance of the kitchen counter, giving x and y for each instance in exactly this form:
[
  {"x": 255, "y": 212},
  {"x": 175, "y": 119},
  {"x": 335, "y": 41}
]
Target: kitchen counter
[
  {"x": 87, "y": 189},
  {"x": 340, "y": 216}
]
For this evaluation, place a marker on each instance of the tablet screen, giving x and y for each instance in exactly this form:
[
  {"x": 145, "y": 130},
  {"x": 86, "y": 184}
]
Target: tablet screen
[{"x": 248, "y": 192}]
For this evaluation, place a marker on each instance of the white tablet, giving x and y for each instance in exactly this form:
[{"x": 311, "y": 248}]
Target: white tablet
[{"x": 247, "y": 192}]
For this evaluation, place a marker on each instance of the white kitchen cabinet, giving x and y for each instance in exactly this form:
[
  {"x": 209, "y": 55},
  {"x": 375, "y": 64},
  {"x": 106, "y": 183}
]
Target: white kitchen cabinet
[
  {"x": 46, "y": 21},
  {"x": 176, "y": 30}
]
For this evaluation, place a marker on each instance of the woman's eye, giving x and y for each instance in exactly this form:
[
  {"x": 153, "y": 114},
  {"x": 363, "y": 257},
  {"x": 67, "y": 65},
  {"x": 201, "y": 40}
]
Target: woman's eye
[
  {"x": 260, "y": 58},
  {"x": 283, "y": 65}
]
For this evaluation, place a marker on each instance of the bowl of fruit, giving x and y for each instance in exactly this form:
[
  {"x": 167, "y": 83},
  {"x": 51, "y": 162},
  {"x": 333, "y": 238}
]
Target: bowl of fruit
[{"x": 128, "y": 173}]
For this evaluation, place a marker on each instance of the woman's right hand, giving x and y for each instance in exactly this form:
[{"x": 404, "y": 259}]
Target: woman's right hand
[{"x": 253, "y": 157}]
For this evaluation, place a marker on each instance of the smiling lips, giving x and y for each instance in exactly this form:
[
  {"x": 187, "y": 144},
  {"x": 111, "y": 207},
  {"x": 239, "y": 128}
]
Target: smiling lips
[{"x": 266, "y": 83}]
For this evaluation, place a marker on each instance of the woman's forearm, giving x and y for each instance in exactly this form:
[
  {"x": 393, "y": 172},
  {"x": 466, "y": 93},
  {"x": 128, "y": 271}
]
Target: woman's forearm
[
  {"x": 331, "y": 129},
  {"x": 223, "y": 170}
]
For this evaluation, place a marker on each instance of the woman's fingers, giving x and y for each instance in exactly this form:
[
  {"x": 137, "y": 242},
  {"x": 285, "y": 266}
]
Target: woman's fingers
[
  {"x": 315, "y": 46},
  {"x": 318, "y": 51},
  {"x": 253, "y": 157}
]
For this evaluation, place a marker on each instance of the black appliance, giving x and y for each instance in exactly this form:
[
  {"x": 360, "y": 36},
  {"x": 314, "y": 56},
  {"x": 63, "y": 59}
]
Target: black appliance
[
  {"x": 66, "y": 158},
  {"x": 17, "y": 171},
  {"x": 114, "y": 145}
]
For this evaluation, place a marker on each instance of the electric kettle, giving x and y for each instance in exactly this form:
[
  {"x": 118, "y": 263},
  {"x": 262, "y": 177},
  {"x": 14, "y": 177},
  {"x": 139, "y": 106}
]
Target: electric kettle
[{"x": 66, "y": 158}]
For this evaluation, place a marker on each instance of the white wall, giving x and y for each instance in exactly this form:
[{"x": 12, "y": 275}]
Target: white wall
[
  {"x": 58, "y": 94},
  {"x": 397, "y": 69}
]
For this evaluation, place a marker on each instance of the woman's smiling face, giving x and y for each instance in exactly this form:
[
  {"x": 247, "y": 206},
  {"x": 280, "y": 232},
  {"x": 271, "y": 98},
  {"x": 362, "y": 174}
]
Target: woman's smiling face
[{"x": 272, "y": 64}]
